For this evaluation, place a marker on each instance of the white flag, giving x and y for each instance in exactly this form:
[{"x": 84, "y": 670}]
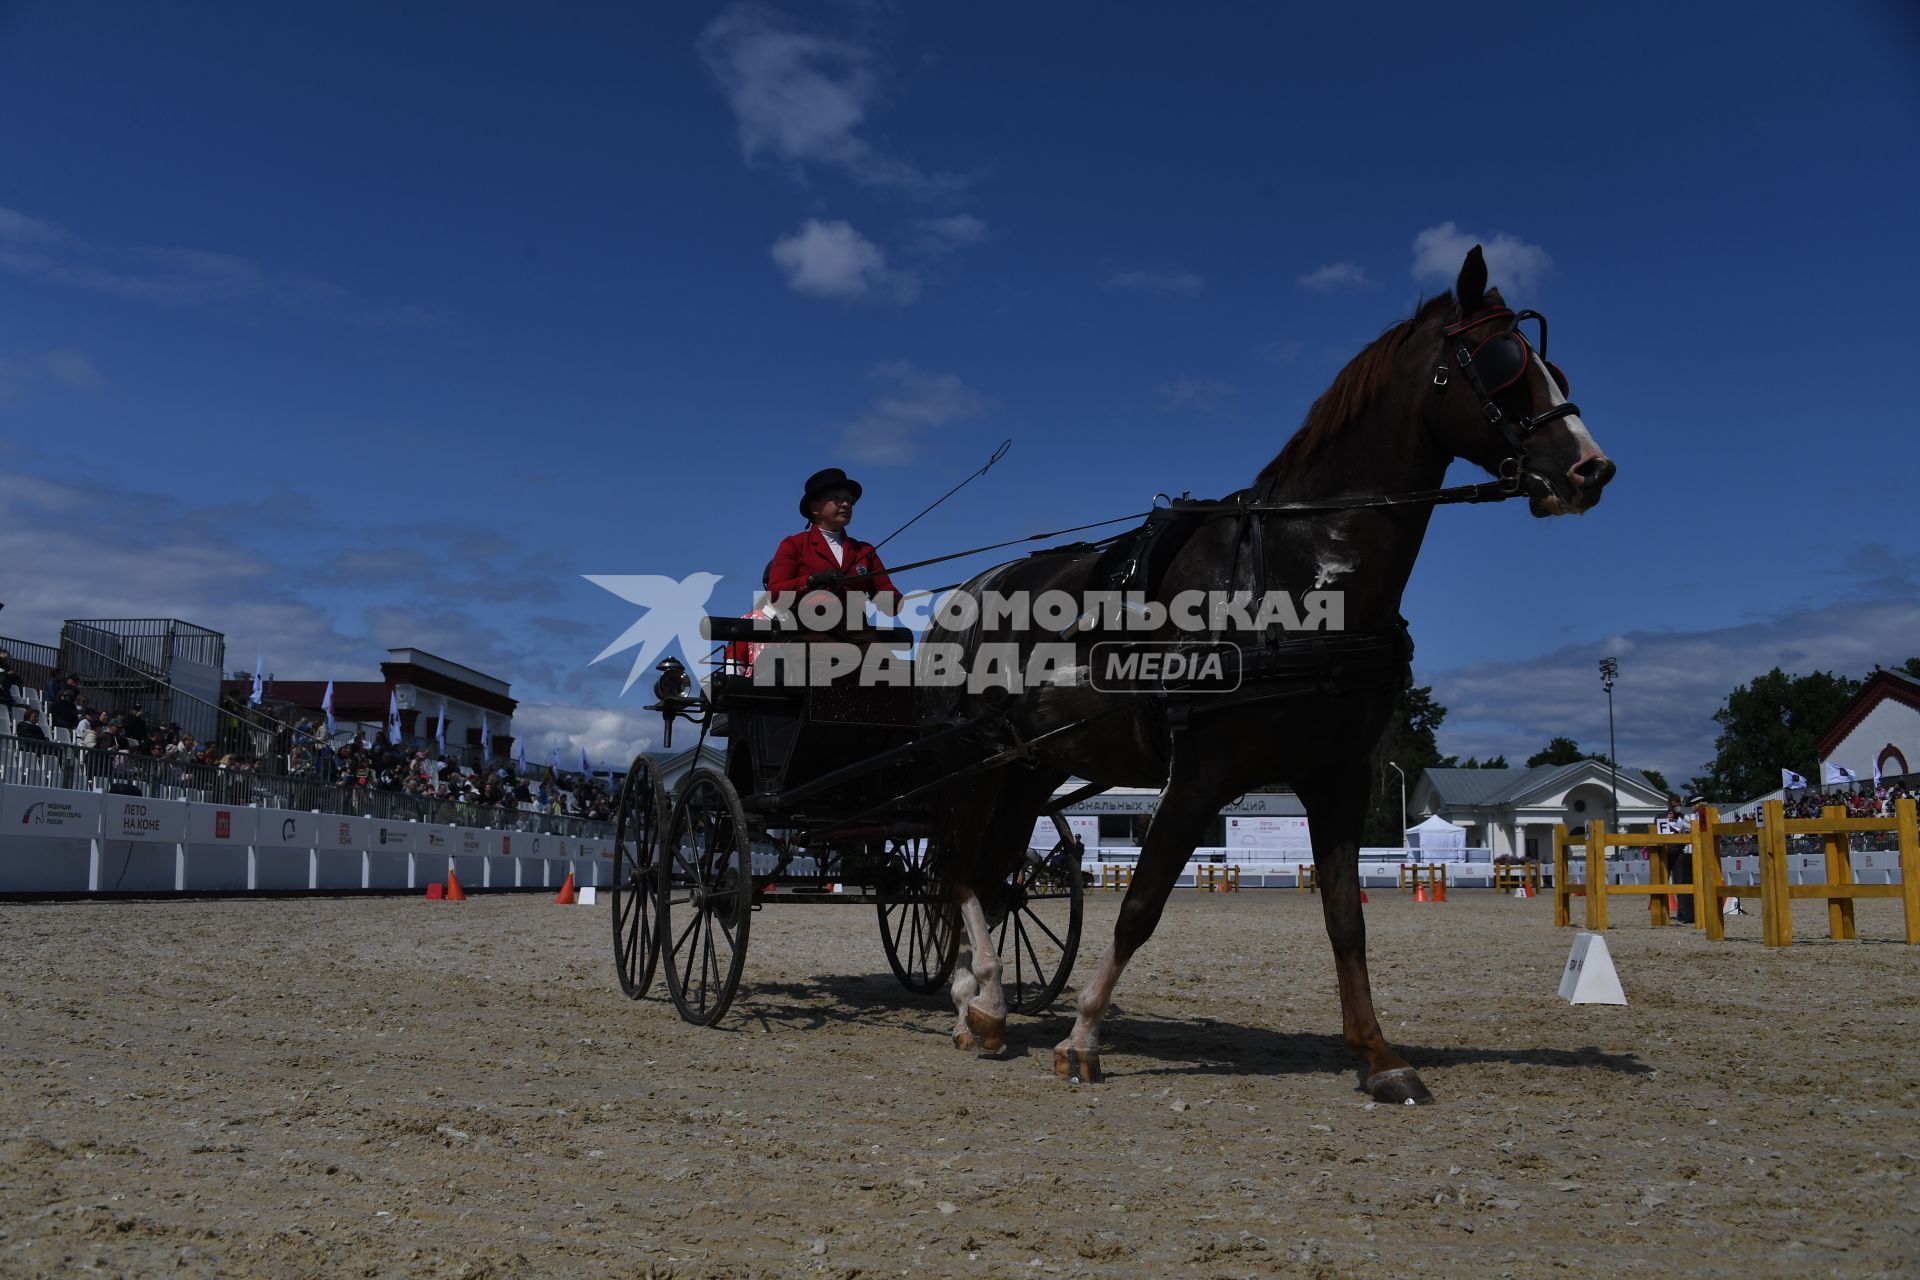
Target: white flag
[
  {"x": 486, "y": 739},
  {"x": 1790, "y": 780},
  {"x": 326, "y": 705},
  {"x": 259, "y": 678},
  {"x": 393, "y": 717},
  {"x": 1876, "y": 773},
  {"x": 440, "y": 728},
  {"x": 1839, "y": 773},
  {"x": 585, "y": 768}
]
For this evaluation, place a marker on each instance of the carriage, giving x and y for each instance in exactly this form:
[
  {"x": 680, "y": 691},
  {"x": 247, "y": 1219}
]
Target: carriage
[{"x": 825, "y": 799}]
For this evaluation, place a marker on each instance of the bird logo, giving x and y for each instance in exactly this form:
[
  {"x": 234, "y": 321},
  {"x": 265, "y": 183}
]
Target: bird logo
[{"x": 674, "y": 609}]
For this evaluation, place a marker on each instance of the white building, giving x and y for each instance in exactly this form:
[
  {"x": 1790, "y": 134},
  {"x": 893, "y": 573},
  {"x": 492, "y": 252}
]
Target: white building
[
  {"x": 1879, "y": 727},
  {"x": 1512, "y": 812}
]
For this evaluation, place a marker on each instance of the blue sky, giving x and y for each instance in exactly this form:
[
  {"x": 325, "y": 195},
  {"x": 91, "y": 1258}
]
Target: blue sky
[{"x": 373, "y": 325}]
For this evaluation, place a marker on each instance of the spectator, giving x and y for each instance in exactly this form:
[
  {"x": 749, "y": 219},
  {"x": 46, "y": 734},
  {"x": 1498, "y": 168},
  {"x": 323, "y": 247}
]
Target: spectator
[
  {"x": 86, "y": 734},
  {"x": 62, "y": 712},
  {"x": 137, "y": 724},
  {"x": 54, "y": 682},
  {"x": 27, "y": 728},
  {"x": 9, "y": 680}
]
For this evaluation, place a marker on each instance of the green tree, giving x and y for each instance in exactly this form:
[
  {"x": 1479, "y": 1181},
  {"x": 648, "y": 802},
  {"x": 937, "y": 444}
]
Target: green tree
[
  {"x": 1770, "y": 724},
  {"x": 1658, "y": 779},
  {"x": 1411, "y": 740},
  {"x": 1558, "y": 751}
]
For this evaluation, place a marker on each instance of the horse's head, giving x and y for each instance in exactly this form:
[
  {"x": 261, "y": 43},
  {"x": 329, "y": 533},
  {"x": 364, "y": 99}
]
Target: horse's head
[{"x": 1504, "y": 406}]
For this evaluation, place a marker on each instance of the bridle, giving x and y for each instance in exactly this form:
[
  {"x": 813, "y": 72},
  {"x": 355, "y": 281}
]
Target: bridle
[{"x": 1497, "y": 362}]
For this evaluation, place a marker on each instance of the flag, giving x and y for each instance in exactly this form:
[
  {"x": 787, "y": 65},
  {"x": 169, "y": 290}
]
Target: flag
[
  {"x": 1876, "y": 773},
  {"x": 521, "y": 766},
  {"x": 1839, "y": 773},
  {"x": 486, "y": 739},
  {"x": 585, "y": 768},
  {"x": 259, "y": 677},
  {"x": 1789, "y": 779},
  {"x": 393, "y": 717},
  {"x": 554, "y": 763},
  {"x": 440, "y": 728},
  {"x": 326, "y": 705}
]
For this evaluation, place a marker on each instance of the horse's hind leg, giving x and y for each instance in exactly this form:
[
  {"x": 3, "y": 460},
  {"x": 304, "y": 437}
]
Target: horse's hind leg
[
  {"x": 1336, "y": 804},
  {"x": 1002, "y": 830},
  {"x": 1178, "y": 824}
]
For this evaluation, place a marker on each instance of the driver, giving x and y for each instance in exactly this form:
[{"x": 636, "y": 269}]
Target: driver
[{"x": 823, "y": 557}]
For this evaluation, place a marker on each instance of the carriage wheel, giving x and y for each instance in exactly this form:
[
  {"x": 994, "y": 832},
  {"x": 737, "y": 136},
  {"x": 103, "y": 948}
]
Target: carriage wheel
[
  {"x": 1036, "y": 926},
  {"x": 638, "y": 823},
  {"x": 705, "y": 897},
  {"x": 919, "y": 925}
]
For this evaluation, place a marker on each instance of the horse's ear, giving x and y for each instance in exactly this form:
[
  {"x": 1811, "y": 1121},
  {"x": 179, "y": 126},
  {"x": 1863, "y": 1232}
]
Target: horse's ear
[{"x": 1470, "y": 289}]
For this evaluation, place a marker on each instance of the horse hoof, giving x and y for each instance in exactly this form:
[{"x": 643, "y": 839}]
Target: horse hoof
[
  {"x": 991, "y": 1030},
  {"x": 1401, "y": 1086},
  {"x": 1077, "y": 1067},
  {"x": 966, "y": 1042}
]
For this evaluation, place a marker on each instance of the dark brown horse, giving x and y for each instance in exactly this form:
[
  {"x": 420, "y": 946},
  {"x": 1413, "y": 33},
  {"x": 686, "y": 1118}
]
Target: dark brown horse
[{"x": 1390, "y": 424}]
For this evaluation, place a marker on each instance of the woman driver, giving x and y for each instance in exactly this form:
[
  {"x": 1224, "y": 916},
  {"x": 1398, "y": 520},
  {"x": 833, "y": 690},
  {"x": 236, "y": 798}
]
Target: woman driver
[{"x": 823, "y": 557}]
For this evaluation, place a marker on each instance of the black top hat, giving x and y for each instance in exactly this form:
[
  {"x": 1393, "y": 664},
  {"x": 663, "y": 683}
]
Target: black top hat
[{"x": 821, "y": 481}]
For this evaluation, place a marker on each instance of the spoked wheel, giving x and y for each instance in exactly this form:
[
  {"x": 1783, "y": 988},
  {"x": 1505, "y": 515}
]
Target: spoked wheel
[
  {"x": 919, "y": 924},
  {"x": 705, "y": 897},
  {"x": 1036, "y": 925},
  {"x": 638, "y": 825}
]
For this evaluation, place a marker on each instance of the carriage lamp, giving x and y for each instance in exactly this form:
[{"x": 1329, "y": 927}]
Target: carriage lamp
[
  {"x": 1609, "y": 672},
  {"x": 673, "y": 683}
]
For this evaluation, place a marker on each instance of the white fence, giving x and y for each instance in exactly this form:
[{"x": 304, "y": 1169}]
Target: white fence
[{"x": 56, "y": 841}]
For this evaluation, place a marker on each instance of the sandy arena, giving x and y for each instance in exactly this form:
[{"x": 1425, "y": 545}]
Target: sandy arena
[{"x": 387, "y": 1087}]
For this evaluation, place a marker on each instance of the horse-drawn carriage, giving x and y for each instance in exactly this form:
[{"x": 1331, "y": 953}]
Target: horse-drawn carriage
[{"x": 825, "y": 798}]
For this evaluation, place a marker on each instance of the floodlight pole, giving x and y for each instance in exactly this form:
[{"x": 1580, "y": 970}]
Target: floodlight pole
[
  {"x": 1609, "y": 672},
  {"x": 1403, "y": 801}
]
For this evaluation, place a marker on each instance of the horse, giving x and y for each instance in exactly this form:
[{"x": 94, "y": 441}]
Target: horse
[{"x": 1342, "y": 508}]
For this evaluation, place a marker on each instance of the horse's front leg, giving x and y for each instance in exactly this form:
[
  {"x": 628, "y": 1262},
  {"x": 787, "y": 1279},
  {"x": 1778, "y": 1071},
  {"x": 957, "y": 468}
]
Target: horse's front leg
[
  {"x": 978, "y": 995},
  {"x": 1336, "y": 808},
  {"x": 1178, "y": 824}
]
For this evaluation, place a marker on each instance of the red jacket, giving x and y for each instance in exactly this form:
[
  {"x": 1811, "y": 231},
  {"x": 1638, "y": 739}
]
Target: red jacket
[{"x": 803, "y": 554}]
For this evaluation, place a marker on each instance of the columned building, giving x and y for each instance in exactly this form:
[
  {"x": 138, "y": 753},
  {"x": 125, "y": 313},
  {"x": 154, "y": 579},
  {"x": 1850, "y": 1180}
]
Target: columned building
[
  {"x": 1512, "y": 812},
  {"x": 423, "y": 684}
]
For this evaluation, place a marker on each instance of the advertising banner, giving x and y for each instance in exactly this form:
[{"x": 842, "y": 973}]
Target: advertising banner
[
  {"x": 392, "y": 837},
  {"x": 339, "y": 832},
  {"x": 138, "y": 818},
  {"x": 286, "y": 828},
  {"x": 1286, "y": 837},
  {"x": 49, "y": 811},
  {"x": 435, "y": 841},
  {"x": 220, "y": 824},
  {"x": 1085, "y": 828}
]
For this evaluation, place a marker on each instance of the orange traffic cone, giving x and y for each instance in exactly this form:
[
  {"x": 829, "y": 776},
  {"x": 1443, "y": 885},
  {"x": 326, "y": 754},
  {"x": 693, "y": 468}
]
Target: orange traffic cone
[
  {"x": 1529, "y": 888},
  {"x": 1363, "y": 897},
  {"x": 436, "y": 892},
  {"x": 454, "y": 892},
  {"x": 566, "y": 897},
  {"x": 1673, "y": 903},
  {"x": 1419, "y": 891},
  {"x": 1440, "y": 889}
]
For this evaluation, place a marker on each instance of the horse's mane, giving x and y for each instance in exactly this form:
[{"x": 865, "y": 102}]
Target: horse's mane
[{"x": 1352, "y": 391}]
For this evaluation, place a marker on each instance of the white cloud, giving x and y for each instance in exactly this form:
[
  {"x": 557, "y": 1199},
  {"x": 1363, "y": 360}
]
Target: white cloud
[
  {"x": 947, "y": 235},
  {"x": 832, "y": 260},
  {"x": 1512, "y": 263},
  {"x": 1670, "y": 684},
  {"x": 42, "y": 251},
  {"x": 1336, "y": 277},
  {"x": 909, "y": 407},
  {"x": 1167, "y": 284},
  {"x": 800, "y": 99},
  {"x": 64, "y": 365},
  {"x": 1186, "y": 392},
  {"x": 612, "y": 736}
]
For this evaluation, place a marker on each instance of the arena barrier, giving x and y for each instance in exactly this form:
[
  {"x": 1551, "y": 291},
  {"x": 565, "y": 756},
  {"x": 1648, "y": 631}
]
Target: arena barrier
[
  {"x": 1836, "y": 875},
  {"x": 1218, "y": 878},
  {"x": 1433, "y": 873},
  {"x": 55, "y": 841},
  {"x": 1839, "y": 880},
  {"x": 1511, "y": 876}
]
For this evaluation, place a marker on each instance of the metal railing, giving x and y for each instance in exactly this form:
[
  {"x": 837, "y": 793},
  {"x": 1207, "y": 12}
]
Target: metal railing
[{"x": 34, "y": 763}]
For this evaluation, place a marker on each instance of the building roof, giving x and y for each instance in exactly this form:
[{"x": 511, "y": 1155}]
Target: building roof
[
  {"x": 1882, "y": 686},
  {"x": 1492, "y": 788}
]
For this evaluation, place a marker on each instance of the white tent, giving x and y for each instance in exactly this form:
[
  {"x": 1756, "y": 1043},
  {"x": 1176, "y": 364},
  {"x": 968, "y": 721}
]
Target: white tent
[{"x": 1438, "y": 840}]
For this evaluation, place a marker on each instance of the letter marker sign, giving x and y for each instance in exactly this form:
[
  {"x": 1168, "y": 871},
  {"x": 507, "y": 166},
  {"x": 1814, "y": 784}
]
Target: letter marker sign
[{"x": 1590, "y": 977}]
